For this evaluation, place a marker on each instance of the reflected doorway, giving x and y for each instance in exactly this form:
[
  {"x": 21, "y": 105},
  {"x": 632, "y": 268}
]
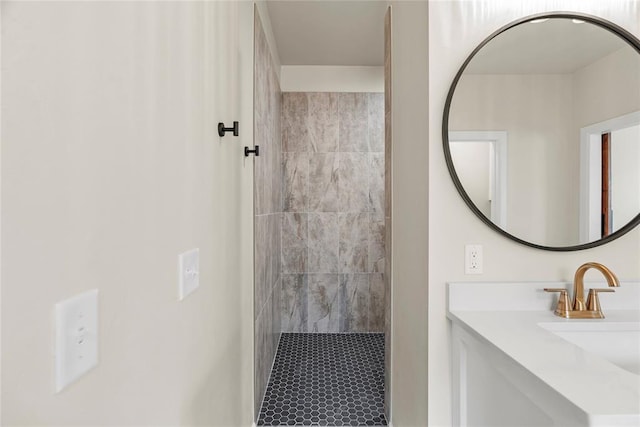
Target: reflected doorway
[
  {"x": 480, "y": 158},
  {"x": 610, "y": 158}
]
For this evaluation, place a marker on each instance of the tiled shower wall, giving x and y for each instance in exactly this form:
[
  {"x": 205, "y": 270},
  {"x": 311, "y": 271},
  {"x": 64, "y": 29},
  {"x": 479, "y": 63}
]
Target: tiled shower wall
[
  {"x": 268, "y": 211},
  {"x": 387, "y": 210},
  {"x": 333, "y": 224}
]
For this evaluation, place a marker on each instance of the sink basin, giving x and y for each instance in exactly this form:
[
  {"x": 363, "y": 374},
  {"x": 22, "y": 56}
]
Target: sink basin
[{"x": 617, "y": 342}]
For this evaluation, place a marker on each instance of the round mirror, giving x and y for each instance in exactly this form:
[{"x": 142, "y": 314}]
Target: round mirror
[{"x": 541, "y": 131}]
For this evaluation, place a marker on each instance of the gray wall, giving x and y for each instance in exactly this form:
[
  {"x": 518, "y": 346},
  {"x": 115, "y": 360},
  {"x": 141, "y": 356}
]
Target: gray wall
[
  {"x": 333, "y": 225},
  {"x": 268, "y": 212}
]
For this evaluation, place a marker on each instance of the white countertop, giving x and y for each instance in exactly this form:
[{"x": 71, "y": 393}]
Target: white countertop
[{"x": 598, "y": 387}]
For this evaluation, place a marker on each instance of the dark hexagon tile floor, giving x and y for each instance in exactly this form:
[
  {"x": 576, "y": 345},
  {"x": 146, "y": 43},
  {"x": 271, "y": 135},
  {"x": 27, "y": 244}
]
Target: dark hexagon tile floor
[{"x": 326, "y": 380}]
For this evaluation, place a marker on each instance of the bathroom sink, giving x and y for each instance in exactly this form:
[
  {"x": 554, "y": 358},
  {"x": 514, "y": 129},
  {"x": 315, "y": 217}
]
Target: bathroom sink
[{"x": 617, "y": 342}]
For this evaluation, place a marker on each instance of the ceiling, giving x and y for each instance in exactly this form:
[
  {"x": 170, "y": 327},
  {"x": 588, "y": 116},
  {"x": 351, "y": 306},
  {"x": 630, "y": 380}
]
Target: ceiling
[
  {"x": 326, "y": 32},
  {"x": 555, "y": 46}
]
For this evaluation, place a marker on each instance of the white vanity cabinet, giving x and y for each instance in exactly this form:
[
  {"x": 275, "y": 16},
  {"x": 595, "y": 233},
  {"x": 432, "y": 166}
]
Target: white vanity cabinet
[{"x": 511, "y": 368}]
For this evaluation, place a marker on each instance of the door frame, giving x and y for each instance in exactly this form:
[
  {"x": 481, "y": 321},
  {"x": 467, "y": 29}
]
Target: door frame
[
  {"x": 498, "y": 139},
  {"x": 591, "y": 173}
]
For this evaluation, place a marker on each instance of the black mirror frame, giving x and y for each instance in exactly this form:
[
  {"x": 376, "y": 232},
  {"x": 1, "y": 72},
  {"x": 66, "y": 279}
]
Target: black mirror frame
[{"x": 609, "y": 26}]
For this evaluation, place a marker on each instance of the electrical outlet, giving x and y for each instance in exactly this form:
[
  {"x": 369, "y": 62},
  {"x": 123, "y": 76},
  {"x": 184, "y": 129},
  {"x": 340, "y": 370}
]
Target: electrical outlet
[
  {"x": 188, "y": 273},
  {"x": 473, "y": 259},
  {"x": 76, "y": 337}
]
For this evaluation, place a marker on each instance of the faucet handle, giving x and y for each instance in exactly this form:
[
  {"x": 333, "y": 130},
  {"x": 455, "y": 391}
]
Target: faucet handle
[
  {"x": 593, "y": 302},
  {"x": 563, "y": 308}
]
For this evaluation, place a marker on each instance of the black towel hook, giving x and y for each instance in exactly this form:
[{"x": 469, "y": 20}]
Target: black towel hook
[
  {"x": 222, "y": 130},
  {"x": 256, "y": 151}
]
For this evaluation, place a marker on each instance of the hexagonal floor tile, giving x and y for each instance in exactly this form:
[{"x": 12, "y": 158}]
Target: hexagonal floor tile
[{"x": 329, "y": 379}]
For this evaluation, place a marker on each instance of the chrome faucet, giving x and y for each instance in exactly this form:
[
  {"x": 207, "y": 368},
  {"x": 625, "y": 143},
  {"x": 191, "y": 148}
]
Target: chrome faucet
[{"x": 578, "y": 308}]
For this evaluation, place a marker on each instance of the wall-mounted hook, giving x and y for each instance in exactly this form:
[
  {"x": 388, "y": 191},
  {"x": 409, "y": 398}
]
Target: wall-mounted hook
[
  {"x": 222, "y": 130},
  {"x": 255, "y": 151}
]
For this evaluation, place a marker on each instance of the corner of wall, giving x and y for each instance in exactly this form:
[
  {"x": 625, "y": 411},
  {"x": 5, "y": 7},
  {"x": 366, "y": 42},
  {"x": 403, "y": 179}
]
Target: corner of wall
[
  {"x": 409, "y": 211},
  {"x": 263, "y": 13}
]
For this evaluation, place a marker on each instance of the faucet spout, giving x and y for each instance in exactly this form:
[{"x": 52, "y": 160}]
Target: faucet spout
[{"x": 578, "y": 283}]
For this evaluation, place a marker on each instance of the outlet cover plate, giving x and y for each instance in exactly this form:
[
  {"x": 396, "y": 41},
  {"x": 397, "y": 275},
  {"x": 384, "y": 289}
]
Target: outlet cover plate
[
  {"x": 76, "y": 337},
  {"x": 473, "y": 259},
  {"x": 188, "y": 273}
]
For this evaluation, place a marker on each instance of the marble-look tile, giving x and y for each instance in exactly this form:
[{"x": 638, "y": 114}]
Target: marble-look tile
[
  {"x": 295, "y": 180},
  {"x": 268, "y": 255},
  {"x": 387, "y": 273},
  {"x": 270, "y": 185},
  {"x": 376, "y": 245},
  {"x": 294, "y": 242},
  {"x": 275, "y": 248},
  {"x": 264, "y": 350},
  {"x": 294, "y": 230},
  {"x": 354, "y": 248},
  {"x": 293, "y": 303},
  {"x": 261, "y": 71},
  {"x": 263, "y": 125},
  {"x": 268, "y": 205},
  {"x": 269, "y": 348},
  {"x": 376, "y": 183},
  {"x": 277, "y": 178},
  {"x": 260, "y": 379},
  {"x": 387, "y": 186},
  {"x": 276, "y": 315},
  {"x": 387, "y": 301},
  {"x": 387, "y": 166},
  {"x": 267, "y": 319},
  {"x": 353, "y": 117},
  {"x": 274, "y": 95},
  {"x": 323, "y": 121},
  {"x": 387, "y": 262},
  {"x": 323, "y": 243},
  {"x": 353, "y": 180},
  {"x": 355, "y": 302},
  {"x": 295, "y": 126},
  {"x": 261, "y": 229},
  {"x": 275, "y": 169},
  {"x": 376, "y": 122},
  {"x": 323, "y": 303},
  {"x": 323, "y": 182},
  {"x": 334, "y": 198},
  {"x": 262, "y": 186},
  {"x": 294, "y": 260},
  {"x": 376, "y": 302}
]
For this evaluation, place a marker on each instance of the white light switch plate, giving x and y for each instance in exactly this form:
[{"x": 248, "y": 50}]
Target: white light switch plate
[
  {"x": 188, "y": 272},
  {"x": 76, "y": 337}
]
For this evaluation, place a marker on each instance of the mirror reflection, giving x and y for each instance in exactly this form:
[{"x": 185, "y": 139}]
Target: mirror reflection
[{"x": 544, "y": 131}]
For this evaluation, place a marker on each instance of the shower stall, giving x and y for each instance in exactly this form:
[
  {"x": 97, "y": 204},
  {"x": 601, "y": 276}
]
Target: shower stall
[{"x": 322, "y": 214}]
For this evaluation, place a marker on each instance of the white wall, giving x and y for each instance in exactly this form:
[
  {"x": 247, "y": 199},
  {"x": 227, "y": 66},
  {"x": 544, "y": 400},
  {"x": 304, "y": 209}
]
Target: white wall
[
  {"x": 455, "y": 28},
  {"x": 329, "y": 78},
  {"x": 606, "y": 89},
  {"x": 472, "y": 160},
  {"x": 625, "y": 175},
  {"x": 410, "y": 213},
  {"x": 111, "y": 166}
]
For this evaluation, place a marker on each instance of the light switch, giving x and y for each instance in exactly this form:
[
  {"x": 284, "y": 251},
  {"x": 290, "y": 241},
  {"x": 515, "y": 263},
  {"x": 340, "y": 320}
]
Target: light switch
[
  {"x": 188, "y": 273},
  {"x": 76, "y": 337}
]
